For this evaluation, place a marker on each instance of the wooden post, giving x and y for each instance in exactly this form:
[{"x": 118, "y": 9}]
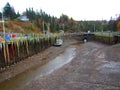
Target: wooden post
[
  {"x": 18, "y": 49},
  {"x": 5, "y": 56},
  {"x": 27, "y": 47},
  {"x": 8, "y": 55}
]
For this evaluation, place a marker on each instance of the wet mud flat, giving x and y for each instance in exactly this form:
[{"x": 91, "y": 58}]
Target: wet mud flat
[
  {"x": 89, "y": 68},
  {"x": 36, "y": 72},
  {"x": 40, "y": 64}
]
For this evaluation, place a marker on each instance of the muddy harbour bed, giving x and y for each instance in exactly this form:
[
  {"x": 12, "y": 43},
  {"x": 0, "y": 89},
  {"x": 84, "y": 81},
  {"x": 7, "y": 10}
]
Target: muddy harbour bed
[{"x": 72, "y": 66}]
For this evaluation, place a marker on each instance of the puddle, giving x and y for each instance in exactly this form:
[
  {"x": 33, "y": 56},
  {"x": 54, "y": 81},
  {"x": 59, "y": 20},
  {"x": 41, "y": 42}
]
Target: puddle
[
  {"x": 28, "y": 76},
  {"x": 110, "y": 68},
  {"x": 102, "y": 56}
]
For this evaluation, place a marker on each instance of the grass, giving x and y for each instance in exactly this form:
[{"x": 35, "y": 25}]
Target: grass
[{"x": 106, "y": 34}]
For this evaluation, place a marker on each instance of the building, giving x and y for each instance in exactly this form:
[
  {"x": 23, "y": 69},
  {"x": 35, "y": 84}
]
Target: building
[{"x": 23, "y": 18}]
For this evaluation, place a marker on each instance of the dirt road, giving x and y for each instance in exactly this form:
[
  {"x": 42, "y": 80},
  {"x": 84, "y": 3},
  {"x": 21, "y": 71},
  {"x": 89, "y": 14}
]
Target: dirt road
[{"x": 95, "y": 67}]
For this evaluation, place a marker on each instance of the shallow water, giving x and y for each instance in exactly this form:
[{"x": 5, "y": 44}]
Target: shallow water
[
  {"x": 34, "y": 73},
  {"x": 110, "y": 67}
]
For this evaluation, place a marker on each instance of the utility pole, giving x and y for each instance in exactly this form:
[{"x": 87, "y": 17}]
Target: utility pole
[
  {"x": 94, "y": 27},
  {"x": 48, "y": 25},
  {"x": 3, "y": 25},
  {"x": 102, "y": 25},
  {"x": 63, "y": 27},
  {"x": 43, "y": 28}
]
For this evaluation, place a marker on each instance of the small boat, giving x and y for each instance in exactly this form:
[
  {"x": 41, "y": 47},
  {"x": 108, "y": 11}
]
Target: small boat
[{"x": 58, "y": 42}]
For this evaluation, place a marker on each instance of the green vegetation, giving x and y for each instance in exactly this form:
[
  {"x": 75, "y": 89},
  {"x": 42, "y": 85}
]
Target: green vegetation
[
  {"x": 106, "y": 34},
  {"x": 105, "y": 39},
  {"x": 39, "y": 21}
]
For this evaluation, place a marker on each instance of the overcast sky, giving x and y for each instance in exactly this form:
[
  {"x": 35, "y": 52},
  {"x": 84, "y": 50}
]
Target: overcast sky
[{"x": 77, "y": 9}]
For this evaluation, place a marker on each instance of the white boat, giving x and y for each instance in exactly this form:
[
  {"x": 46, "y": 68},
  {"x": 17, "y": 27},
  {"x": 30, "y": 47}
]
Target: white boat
[{"x": 58, "y": 42}]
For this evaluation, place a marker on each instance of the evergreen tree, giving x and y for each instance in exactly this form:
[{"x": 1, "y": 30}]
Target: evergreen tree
[
  {"x": 112, "y": 25},
  {"x": 18, "y": 14},
  {"x": 9, "y": 12}
]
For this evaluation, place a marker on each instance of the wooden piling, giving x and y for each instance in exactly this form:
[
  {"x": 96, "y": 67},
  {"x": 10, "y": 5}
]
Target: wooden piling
[
  {"x": 27, "y": 47},
  {"x": 8, "y": 55},
  {"x": 5, "y": 56},
  {"x": 14, "y": 51}
]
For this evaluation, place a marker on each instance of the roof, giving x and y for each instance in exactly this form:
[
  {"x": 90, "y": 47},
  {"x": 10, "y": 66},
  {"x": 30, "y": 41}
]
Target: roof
[{"x": 23, "y": 18}]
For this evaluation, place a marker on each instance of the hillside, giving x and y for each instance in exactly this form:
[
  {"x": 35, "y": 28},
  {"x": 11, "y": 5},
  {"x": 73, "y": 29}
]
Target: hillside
[{"x": 20, "y": 27}]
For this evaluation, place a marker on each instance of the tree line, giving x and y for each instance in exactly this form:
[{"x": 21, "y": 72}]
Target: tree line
[{"x": 44, "y": 21}]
